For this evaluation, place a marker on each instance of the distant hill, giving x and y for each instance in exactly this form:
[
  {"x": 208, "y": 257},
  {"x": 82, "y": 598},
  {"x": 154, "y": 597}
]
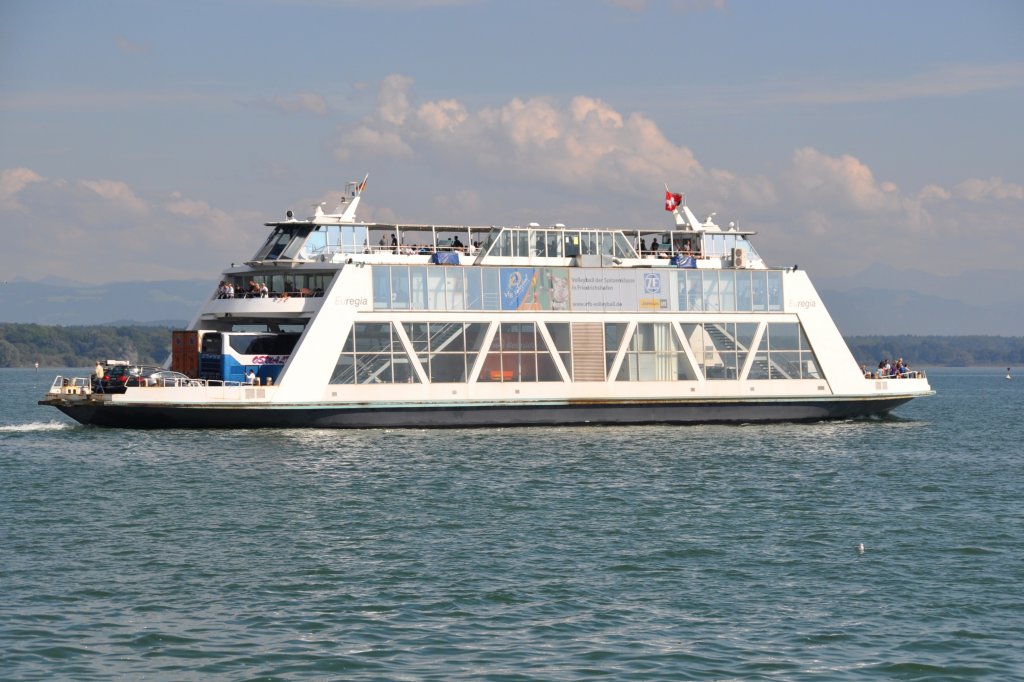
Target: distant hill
[
  {"x": 887, "y": 300},
  {"x": 886, "y": 311},
  {"x": 21, "y": 345},
  {"x": 880, "y": 300},
  {"x": 65, "y": 302}
]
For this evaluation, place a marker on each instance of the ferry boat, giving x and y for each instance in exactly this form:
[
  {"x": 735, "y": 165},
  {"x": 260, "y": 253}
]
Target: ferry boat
[{"x": 338, "y": 323}]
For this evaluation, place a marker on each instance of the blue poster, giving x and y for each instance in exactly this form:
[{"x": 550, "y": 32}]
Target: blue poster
[{"x": 516, "y": 284}]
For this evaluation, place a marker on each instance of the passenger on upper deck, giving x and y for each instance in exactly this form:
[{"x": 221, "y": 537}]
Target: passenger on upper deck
[{"x": 456, "y": 244}]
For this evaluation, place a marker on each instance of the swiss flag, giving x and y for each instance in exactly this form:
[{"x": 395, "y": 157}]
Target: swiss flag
[{"x": 672, "y": 200}]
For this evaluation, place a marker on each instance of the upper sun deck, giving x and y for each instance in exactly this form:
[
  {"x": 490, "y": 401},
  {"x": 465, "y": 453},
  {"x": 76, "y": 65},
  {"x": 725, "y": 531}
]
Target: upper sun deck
[{"x": 339, "y": 238}]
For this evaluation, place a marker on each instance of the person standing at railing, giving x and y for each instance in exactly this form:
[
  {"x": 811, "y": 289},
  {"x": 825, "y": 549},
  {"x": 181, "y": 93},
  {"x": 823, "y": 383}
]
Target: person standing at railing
[{"x": 97, "y": 379}]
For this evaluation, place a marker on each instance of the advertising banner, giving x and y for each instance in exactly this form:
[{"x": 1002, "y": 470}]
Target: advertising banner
[{"x": 534, "y": 288}]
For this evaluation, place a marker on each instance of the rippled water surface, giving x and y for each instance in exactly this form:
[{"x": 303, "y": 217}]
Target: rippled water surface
[{"x": 632, "y": 553}]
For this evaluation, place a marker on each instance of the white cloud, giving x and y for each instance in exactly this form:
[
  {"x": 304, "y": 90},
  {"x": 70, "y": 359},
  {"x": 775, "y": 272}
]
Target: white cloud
[
  {"x": 579, "y": 160},
  {"x": 933, "y": 193},
  {"x": 845, "y": 189},
  {"x": 585, "y": 144},
  {"x": 975, "y": 189},
  {"x": 302, "y": 102},
  {"x": 368, "y": 141},
  {"x": 393, "y": 99},
  {"x": 117, "y": 194},
  {"x": 843, "y": 182},
  {"x": 101, "y": 230},
  {"x": 834, "y": 212},
  {"x": 828, "y": 207},
  {"x": 13, "y": 181}
]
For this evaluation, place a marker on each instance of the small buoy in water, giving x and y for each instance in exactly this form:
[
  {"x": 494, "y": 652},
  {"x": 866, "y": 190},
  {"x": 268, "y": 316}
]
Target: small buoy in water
[
  {"x": 860, "y": 548},
  {"x": 1008, "y": 377}
]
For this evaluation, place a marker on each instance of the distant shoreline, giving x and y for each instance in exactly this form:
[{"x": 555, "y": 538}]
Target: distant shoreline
[{"x": 52, "y": 346}]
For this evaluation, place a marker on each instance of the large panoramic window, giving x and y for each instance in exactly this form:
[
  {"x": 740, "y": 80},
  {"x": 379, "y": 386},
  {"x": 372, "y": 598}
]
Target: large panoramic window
[
  {"x": 446, "y": 350},
  {"x": 458, "y": 288},
  {"x": 561, "y": 335},
  {"x": 784, "y": 353},
  {"x": 373, "y": 354},
  {"x": 720, "y": 348},
  {"x": 613, "y": 335},
  {"x": 518, "y": 353},
  {"x": 654, "y": 354},
  {"x": 729, "y": 290}
]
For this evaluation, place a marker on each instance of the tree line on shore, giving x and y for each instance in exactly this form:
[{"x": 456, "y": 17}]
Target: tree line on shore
[
  {"x": 23, "y": 345},
  {"x": 941, "y": 351}
]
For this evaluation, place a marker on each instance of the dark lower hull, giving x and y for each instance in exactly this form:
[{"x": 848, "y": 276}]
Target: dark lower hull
[{"x": 151, "y": 416}]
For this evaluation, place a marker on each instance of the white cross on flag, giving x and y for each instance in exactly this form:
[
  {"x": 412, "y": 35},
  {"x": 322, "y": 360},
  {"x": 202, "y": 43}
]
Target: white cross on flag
[{"x": 672, "y": 200}]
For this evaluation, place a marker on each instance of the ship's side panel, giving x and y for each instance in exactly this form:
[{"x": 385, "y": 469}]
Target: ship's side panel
[
  {"x": 309, "y": 368},
  {"x": 837, "y": 362}
]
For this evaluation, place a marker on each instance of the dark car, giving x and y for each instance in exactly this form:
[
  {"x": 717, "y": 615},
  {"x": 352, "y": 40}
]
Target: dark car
[
  {"x": 116, "y": 377},
  {"x": 157, "y": 376}
]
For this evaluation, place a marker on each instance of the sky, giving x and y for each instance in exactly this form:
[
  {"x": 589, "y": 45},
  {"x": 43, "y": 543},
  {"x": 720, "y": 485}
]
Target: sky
[{"x": 150, "y": 140}]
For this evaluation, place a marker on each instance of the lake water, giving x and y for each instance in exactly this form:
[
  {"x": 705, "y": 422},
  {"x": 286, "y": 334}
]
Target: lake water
[{"x": 640, "y": 553}]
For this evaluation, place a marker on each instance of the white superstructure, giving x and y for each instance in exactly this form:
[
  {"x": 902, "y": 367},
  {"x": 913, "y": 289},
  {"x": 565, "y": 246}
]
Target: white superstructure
[{"x": 353, "y": 324}]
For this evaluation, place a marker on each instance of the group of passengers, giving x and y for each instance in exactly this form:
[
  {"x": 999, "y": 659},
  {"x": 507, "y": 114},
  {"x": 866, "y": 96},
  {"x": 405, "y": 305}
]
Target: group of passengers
[
  {"x": 664, "y": 250},
  {"x": 891, "y": 370},
  {"x": 258, "y": 289},
  {"x": 255, "y": 290},
  {"x": 454, "y": 244}
]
